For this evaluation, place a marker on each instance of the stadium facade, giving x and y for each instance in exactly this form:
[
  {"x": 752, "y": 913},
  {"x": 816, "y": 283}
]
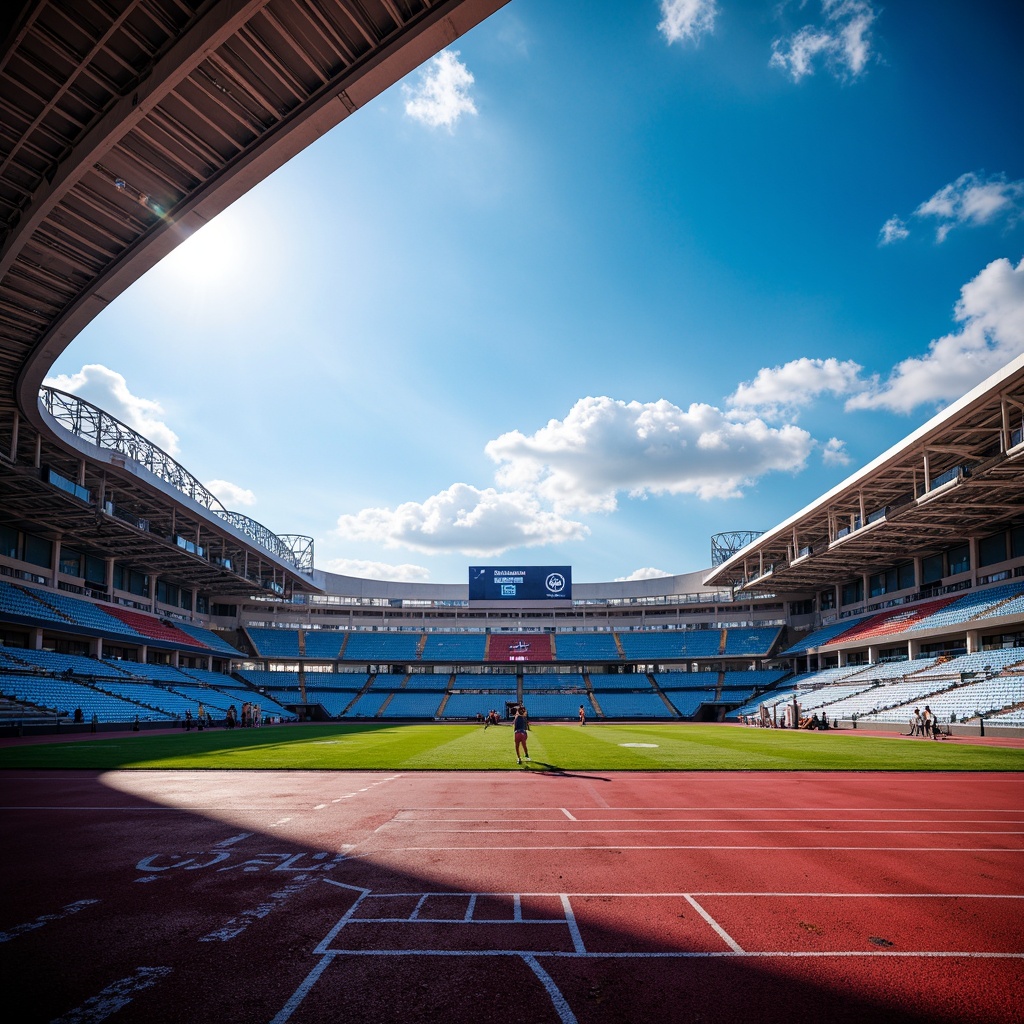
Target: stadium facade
[{"x": 120, "y": 571}]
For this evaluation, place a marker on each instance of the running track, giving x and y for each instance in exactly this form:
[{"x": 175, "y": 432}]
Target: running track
[{"x": 509, "y": 897}]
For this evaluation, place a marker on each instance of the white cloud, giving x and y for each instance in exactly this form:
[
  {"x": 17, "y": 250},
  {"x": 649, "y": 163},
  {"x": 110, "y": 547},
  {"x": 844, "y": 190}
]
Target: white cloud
[
  {"x": 231, "y": 495},
  {"x": 973, "y": 200},
  {"x": 991, "y": 311},
  {"x": 366, "y": 569},
  {"x": 605, "y": 447},
  {"x": 441, "y": 95},
  {"x": 687, "y": 20},
  {"x": 109, "y": 390},
  {"x": 842, "y": 42},
  {"x": 783, "y": 390},
  {"x": 833, "y": 453},
  {"x": 893, "y": 230},
  {"x": 643, "y": 574},
  {"x": 463, "y": 519}
]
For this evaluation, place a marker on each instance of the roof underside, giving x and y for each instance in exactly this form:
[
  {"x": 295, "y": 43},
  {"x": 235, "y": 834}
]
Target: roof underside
[
  {"x": 960, "y": 476},
  {"x": 123, "y": 128}
]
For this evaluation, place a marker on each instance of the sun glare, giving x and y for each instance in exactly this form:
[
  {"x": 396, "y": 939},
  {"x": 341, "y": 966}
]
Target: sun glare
[{"x": 211, "y": 257}]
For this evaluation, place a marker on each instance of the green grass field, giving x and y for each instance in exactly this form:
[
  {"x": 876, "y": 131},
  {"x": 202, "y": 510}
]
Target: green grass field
[{"x": 552, "y": 748}]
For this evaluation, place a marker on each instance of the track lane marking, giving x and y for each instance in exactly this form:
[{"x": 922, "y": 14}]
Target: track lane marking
[
  {"x": 44, "y": 919},
  {"x": 114, "y": 997},
  {"x": 716, "y": 927}
]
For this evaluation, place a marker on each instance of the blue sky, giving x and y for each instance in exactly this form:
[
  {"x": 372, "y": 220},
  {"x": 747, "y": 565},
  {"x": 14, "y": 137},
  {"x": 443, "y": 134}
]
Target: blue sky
[{"x": 596, "y": 283}]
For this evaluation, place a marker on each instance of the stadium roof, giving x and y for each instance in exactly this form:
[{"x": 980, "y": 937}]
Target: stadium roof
[
  {"x": 123, "y": 129},
  {"x": 960, "y": 475}
]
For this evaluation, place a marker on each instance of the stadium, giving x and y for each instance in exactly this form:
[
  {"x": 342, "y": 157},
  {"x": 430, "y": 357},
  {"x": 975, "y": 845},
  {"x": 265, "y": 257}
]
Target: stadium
[{"x": 131, "y": 598}]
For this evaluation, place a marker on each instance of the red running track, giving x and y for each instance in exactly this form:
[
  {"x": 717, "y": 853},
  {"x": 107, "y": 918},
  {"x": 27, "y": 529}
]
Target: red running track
[{"x": 512, "y": 897}]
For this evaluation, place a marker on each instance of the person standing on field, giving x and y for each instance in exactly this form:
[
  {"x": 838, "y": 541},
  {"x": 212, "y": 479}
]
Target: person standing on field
[
  {"x": 520, "y": 728},
  {"x": 583, "y": 715}
]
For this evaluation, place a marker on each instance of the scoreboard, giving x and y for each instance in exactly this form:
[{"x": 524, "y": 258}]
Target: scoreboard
[{"x": 520, "y": 583}]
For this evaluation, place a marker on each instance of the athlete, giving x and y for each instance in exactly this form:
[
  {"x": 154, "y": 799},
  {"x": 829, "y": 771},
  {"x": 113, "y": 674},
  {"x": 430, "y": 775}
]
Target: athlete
[
  {"x": 520, "y": 728},
  {"x": 583, "y": 715}
]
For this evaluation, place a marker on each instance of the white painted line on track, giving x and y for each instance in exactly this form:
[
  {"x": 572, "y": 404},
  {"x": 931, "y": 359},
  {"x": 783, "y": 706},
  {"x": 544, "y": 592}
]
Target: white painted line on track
[
  {"x": 114, "y": 997},
  {"x": 302, "y": 991},
  {"x": 806, "y": 849},
  {"x": 279, "y": 822},
  {"x": 237, "y": 925},
  {"x": 568, "y": 815},
  {"x": 241, "y": 837},
  {"x": 720, "y": 831},
  {"x": 31, "y": 926},
  {"x": 718, "y": 929},
  {"x": 562, "y": 1008},
  {"x": 570, "y": 920}
]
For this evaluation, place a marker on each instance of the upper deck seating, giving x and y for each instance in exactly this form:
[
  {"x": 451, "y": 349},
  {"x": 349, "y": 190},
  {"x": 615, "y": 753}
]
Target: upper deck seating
[
  {"x": 976, "y": 603},
  {"x": 819, "y": 637},
  {"x": 454, "y": 648},
  {"x": 209, "y": 638},
  {"x": 745, "y": 641},
  {"x": 274, "y": 643},
  {"x": 152, "y": 628},
  {"x": 374, "y": 648},
  {"x": 669, "y": 645},
  {"x": 586, "y": 647},
  {"x": 894, "y": 620},
  {"x": 323, "y": 643}
]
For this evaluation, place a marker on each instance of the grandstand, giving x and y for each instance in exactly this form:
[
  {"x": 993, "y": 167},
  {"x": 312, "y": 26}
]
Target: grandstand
[{"x": 118, "y": 566}]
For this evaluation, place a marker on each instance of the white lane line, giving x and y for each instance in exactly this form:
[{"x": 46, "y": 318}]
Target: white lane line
[
  {"x": 31, "y": 926},
  {"x": 574, "y": 930},
  {"x": 558, "y": 1001},
  {"x": 279, "y": 822},
  {"x": 232, "y": 840},
  {"x": 680, "y": 955},
  {"x": 721, "y": 831},
  {"x": 302, "y": 991},
  {"x": 568, "y": 815},
  {"x": 806, "y": 849},
  {"x": 114, "y": 997},
  {"x": 234, "y": 927},
  {"x": 719, "y": 930}
]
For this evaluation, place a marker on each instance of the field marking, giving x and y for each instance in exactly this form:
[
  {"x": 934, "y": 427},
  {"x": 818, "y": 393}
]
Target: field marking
[
  {"x": 563, "y": 810},
  {"x": 576, "y": 849},
  {"x": 716, "y": 927},
  {"x": 721, "y": 831},
  {"x": 236, "y": 925},
  {"x": 44, "y": 919},
  {"x": 561, "y": 1005},
  {"x": 114, "y": 997}
]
